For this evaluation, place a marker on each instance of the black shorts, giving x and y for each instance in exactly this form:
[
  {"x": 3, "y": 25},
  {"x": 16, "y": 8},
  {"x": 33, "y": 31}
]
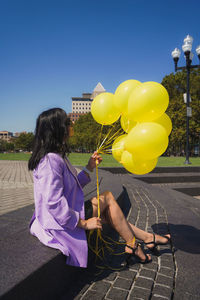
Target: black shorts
[{"x": 88, "y": 210}]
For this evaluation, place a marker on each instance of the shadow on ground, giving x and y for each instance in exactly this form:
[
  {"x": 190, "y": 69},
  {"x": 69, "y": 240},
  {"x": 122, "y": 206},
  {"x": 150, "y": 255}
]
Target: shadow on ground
[{"x": 184, "y": 237}]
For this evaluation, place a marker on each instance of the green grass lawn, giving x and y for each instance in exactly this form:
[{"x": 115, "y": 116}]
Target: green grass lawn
[
  {"x": 14, "y": 156},
  {"x": 79, "y": 159}
]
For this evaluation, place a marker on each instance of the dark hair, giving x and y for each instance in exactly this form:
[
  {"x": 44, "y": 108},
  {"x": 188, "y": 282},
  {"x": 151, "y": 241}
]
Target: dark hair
[{"x": 51, "y": 135}]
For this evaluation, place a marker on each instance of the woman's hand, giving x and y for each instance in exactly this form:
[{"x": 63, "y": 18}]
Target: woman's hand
[
  {"x": 92, "y": 161},
  {"x": 92, "y": 223}
]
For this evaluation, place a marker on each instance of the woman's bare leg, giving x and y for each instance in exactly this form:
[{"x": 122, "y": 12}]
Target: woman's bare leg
[
  {"x": 148, "y": 237},
  {"x": 112, "y": 213}
]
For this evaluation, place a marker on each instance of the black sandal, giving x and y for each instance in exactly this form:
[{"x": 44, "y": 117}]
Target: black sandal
[
  {"x": 129, "y": 256},
  {"x": 154, "y": 249}
]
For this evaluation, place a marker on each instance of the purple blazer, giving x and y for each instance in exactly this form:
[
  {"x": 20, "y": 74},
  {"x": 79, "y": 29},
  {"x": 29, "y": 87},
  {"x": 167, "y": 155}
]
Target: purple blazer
[{"x": 59, "y": 204}]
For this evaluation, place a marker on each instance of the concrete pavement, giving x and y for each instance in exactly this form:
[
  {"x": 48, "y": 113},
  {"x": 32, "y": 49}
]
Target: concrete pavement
[
  {"x": 16, "y": 186},
  {"x": 172, "y": 275}
]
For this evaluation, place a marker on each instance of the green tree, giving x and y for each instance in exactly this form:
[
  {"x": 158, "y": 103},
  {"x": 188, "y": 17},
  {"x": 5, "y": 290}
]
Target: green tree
[
  {"x": 176, "y": 87},
  {"x": 24, "y": 141},
  {"x": 3, "y": 145},
  {"x": 10, "y": 146},
  {"x": 87, "y": 133},
  {"x": 6, "y": 146}
]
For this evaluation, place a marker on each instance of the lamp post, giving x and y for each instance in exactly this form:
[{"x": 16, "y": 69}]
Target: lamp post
[{"x": 187, "y": 47}]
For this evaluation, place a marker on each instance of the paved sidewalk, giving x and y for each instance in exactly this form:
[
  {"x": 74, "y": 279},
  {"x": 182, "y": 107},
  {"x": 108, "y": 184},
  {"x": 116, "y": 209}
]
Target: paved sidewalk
[
  {"x": 172, "y": 275},
  {"x": 150, "y": 281},
  {"x": 16, "y": 186}
]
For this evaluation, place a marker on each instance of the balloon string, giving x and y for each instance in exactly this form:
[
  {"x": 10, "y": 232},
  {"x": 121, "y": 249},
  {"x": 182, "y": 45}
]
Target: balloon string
[
  {"x": 115, "y": 134},
  {"x": 107, "y": 141},
  {"x": 97, "y": 179},
  {"x": 100, "y": 135},
  {"x": 108, "y": 150},
  {"x": 112, "y": 138},
  {"x": 101, "y": 242},
  {"x": 104, "y": 139},
  {"x": 99, "y": 212}
]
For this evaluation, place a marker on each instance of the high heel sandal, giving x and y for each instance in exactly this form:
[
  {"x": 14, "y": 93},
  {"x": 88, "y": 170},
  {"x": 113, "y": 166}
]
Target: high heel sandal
[
  {"x": 154, "y": 249},
  {"x": 129, "y": 256}
]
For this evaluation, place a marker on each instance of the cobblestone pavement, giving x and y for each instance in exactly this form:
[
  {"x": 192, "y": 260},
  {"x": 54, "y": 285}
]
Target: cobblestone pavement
[
  {"x": 16, "y": 186},
  {"x": 156, "y": 281},
  {"x": 149, "y": 281}
]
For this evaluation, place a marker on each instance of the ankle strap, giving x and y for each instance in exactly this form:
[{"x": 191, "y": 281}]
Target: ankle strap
[
  {"x": 131, "y": 242},
  {"x": 134, "y": 249},
  {"x": 152, "y": 242}
]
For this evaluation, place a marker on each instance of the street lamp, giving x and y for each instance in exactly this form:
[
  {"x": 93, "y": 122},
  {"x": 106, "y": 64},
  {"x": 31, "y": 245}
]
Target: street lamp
[{"x": 187, "y": 47}]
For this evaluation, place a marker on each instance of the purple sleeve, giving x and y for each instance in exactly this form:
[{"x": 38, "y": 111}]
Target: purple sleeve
[
  {"x": 51, "y": 177},
  {"x": 83, "y": 178}
]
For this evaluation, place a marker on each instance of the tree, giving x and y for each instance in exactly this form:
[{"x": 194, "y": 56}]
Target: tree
[
  {"x": 24, "y": 142},
  {"x": 3, "y": 145},
  {"x": 10, "y": 146},
  {"x": 87, "y": 133},
  {"x": 6, "y": 146},
  {"x": 176, "y": 87}
]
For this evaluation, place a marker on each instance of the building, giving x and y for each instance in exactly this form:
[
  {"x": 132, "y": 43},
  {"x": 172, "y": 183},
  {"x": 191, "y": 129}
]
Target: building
[
  {"x": 6, "y": 135},
  {"x": 82, "y": 105},
  {"x": 17, "y": 134},
  {"x": 98, "y": 90},
  {"x": 74, "y": 116}
]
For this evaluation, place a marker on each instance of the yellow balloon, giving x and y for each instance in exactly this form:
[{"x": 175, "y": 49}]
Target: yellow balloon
[
  {"x": 122, "y": 93},
  {"x": 166, "y": 122},
  {"x": 147, "y": 140},
  {"x": 147, "y": 102},
  {"x": 137, "y": 166},
  {"x": 118, "y": 147},
  {"x": 126, "y": 123},
  {"x": 103, "y": 109}
]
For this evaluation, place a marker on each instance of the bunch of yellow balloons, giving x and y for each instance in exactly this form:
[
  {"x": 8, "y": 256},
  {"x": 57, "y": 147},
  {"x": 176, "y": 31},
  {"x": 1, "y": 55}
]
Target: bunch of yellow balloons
[{"x": 141, "y": 107}]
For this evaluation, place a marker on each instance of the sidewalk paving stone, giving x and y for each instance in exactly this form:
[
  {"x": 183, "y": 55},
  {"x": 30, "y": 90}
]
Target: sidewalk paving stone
[
  {"x": 172, "y": 275},
  {"x": 117, "y": 293},
  {"x": 139, "y": 293}
]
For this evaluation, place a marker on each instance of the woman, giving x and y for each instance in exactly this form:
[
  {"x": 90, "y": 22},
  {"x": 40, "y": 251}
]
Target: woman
[{"x": 61, "y": 217}]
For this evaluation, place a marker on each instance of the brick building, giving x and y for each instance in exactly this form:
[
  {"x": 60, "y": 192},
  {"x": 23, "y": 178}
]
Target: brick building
[
  {"x": 6, "y": 135},
  {"x": 82, "y": 105}
]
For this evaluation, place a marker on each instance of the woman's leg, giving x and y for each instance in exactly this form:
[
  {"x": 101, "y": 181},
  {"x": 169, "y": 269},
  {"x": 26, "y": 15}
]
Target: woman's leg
[
  {"x": 112, "y": 213},
  {"x": 148, "y": 237}
]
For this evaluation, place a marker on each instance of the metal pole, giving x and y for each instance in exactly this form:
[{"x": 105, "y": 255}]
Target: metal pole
[{"x": 187, "y": 162}]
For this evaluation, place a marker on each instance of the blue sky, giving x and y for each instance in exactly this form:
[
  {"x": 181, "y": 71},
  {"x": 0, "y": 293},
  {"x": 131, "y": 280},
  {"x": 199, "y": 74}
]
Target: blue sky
[{"x": 51, "y": 51}]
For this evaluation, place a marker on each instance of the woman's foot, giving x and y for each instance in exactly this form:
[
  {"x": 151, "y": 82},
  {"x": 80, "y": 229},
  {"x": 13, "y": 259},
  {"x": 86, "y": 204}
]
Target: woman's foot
[
  {"x": 153, "y": 240},
  {"x": 136, "y": 250}
]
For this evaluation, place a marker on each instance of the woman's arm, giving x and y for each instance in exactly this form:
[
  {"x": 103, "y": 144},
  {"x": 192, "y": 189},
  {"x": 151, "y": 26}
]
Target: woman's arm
[
  {"x": 94, "y": 159},
  {"x": 84, "y": 175},
  {"x": 95, "y": 222},
  {"x": 92, "y": 223}
]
